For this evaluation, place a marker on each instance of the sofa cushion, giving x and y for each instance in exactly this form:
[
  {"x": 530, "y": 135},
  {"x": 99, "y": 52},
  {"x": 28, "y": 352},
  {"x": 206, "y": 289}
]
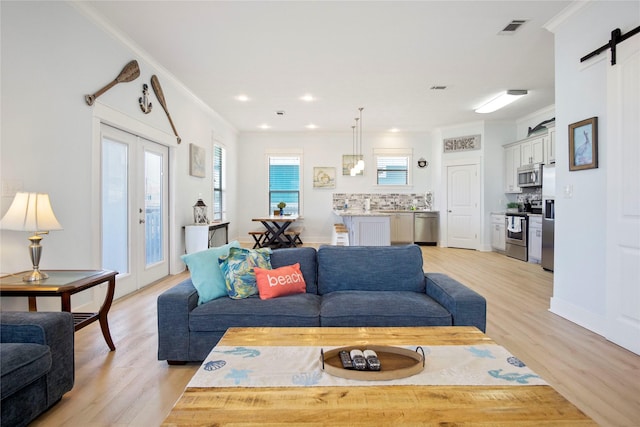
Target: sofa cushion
[
  {"x": 279, "y": 282},
  {"x": 381, "y": 308},
  {"x": 205, "y": 272},
  {"x": 224, "y": 313},
  {"x": 306, "y": 257},
  {"x": 237, "y": 268},
  {"x": 21, "y": 364},
  {"x": 381, "y": 268}
]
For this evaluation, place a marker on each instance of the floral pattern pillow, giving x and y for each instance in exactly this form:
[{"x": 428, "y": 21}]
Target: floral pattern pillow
[{"x": 237, "y": 269}]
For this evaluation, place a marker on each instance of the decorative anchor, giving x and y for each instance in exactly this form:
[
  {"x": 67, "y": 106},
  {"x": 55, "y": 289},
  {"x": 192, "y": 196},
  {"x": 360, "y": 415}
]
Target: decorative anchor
[{"x": 145, "y": 105}]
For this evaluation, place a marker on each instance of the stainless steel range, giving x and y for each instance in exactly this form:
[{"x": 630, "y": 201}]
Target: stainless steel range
[{"x": 516, "y": 235}]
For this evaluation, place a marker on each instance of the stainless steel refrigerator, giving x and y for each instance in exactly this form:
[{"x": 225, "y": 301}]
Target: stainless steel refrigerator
[{"x": 548, "y": 215}]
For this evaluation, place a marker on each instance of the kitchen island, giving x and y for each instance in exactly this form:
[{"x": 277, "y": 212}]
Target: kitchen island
[{"x": 367, "y": 228}]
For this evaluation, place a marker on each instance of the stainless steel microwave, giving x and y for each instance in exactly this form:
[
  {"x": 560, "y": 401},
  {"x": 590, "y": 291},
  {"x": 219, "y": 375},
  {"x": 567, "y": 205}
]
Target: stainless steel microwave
[{"x": 530, "y": 176}]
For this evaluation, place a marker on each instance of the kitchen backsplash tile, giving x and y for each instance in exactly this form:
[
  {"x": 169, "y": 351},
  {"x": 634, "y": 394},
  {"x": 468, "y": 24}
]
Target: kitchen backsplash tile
[{"x": 379, "y": 201}]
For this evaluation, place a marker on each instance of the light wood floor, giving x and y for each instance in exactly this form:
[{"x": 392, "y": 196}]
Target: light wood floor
[{"x": 130, "y": 387}]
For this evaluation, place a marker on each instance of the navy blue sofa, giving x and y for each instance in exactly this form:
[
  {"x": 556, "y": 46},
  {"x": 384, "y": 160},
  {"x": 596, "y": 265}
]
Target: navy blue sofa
[
  {"x": 346, "y": 286},
  {"x": 36, "y": 363}
]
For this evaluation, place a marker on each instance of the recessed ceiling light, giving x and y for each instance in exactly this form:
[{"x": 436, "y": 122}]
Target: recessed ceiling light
[
  {"x": 394, "y": 130},
  {"x": 308, "y": 98},
  {"x": 264, "y": 126},
  {"x": 311, "y": 126},
  {"x": 242, "y": 98}
]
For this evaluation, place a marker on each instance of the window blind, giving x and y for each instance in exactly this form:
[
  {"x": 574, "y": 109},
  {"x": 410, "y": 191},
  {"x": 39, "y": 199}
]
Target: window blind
[{"x": 392, "y": 170}]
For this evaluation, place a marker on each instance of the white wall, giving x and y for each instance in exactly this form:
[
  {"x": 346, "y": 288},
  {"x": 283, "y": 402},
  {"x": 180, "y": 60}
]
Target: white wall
[
  {"x": 326, "y": 149},
  {"x": 579, "y": 279},
  {"x": 53, "y": 55},
  {"x": 320, "y": 149}
]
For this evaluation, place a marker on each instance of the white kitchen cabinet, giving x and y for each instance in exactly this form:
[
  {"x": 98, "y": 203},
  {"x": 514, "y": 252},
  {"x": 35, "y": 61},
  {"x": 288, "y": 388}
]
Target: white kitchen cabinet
[
  {"x": 498, "y": 232},
  {"x": 550, "y": 147},
  {"x": 512, "y": 161},
  {"x": 401, "y": 227},
  {"x": 370, "y": 230},
  {"x": 535, "y": 239},
  {"x": 532, "y": 150}
]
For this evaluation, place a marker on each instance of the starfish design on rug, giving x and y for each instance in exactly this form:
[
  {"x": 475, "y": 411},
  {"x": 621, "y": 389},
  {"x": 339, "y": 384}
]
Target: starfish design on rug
[
  {"x": 483, "y": 353},
  {"x": 239, "y": 375}
]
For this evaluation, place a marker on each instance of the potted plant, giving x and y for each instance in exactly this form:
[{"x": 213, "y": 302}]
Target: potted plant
[
  {"x": 282, "y": 205},
  {"x": 513, "y": 207}
]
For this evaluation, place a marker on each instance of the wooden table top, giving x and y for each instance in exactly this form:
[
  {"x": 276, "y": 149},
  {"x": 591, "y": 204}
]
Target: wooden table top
[
  {"x": 370, "y": 405},
  {"x": 59, "y": 281},
  {"x": 277, "y": 218}
]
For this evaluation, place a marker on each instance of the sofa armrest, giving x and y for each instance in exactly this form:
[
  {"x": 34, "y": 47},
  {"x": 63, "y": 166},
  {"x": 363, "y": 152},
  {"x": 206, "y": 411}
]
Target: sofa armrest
[
  {"x": 54, "y": 329},
  {"x": 467, "y": 307},
  {"x": 174, "y": 306}
]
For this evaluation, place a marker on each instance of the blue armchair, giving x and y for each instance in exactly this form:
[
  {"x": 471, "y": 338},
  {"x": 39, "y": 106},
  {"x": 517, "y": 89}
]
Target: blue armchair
[{"x": 36, "y": 363}]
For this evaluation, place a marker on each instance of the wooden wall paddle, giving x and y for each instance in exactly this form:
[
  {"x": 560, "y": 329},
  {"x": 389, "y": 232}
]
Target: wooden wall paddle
[
  {"x": 157, "y": 89},
  {"x": 130, "y": 72}
]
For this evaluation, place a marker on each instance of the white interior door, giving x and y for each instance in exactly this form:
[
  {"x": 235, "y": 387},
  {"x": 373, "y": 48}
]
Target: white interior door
[
  {"x": 623, "y": 197},
  {"x": 463, "y": 207},
  {"x": 134, "y": 185}
]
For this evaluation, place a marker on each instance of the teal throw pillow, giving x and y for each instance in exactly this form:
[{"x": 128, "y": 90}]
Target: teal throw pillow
[
  {"x": 237, "y": 269},
  {"x": 205, "y": 272}
]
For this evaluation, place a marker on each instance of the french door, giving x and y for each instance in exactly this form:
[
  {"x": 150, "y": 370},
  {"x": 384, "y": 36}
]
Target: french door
[{"x": 134, "y": 223}]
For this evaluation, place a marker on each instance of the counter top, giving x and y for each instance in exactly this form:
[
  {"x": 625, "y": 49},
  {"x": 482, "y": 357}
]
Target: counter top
[
  {"x": 384, "y": 212},
  {"x": 356, "y": 212}
]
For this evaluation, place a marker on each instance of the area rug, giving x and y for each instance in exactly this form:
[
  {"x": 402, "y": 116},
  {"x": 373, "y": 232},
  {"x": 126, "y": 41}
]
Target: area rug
[{"x": 283, "y": 366}]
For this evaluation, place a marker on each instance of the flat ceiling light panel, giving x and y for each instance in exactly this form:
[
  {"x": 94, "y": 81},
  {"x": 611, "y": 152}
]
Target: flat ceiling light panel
[{"x": 501, "y": 100}]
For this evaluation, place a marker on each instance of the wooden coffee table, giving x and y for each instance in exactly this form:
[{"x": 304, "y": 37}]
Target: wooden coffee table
[
  {"x": 63, "y": 284},
  {"x": 370, "y": 405}
]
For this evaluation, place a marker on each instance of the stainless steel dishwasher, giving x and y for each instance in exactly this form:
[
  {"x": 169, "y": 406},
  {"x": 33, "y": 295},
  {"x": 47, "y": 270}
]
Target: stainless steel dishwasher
[{"x": 425, "y": 228}]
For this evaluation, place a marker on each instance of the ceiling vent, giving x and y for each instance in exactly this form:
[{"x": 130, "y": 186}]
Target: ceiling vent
[{"x": 512, "y": 26}]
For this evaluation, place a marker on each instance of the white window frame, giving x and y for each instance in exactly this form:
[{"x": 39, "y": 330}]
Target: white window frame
[
  {"x": 223, "y": 181},
  {"x": 393, "y": 152},
  {"x": 286, "y": 153}
]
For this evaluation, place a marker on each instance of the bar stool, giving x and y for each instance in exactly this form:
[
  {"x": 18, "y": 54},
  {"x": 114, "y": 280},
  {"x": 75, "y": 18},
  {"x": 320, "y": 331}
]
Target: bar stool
[{"x": 340, "y": 235}]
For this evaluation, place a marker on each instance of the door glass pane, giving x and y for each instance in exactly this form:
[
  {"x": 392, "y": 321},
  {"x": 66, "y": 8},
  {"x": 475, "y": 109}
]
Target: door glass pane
[
  {"x": 152, "y": 207},
  {"x": 115, "y": 196}
]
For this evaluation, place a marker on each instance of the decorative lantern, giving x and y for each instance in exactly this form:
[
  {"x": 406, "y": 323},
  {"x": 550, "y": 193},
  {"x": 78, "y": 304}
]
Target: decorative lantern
[{"x": 200, "y": 213}]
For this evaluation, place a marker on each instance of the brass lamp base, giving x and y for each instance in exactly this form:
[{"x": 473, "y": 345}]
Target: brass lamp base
[
  {"x": 35, "y": 276},
  {"x": 35, "y": 250}
]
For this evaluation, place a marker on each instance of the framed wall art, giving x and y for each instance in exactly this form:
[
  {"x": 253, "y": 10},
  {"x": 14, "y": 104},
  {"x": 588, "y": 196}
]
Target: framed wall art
[
  {"x": 349, "y": 161},
  {"x": 324, "y": 177},
  {"x": 197, "y": 160},
  {"x": 583, "y": 144}
]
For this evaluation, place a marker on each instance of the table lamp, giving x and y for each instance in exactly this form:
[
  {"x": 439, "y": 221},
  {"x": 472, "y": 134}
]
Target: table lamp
[{"x": 31, "y": 212}]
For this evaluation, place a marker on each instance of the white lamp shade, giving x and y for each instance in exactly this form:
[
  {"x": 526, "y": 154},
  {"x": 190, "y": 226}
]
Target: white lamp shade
[{"x": 30, "y": 212}]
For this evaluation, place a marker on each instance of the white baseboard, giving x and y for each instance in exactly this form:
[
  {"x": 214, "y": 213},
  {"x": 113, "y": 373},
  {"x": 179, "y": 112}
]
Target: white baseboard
[{"x": 578, "y": 315}]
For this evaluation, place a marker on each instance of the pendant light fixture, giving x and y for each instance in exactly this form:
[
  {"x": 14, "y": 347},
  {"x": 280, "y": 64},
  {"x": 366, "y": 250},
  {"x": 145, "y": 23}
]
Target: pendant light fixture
[
  {"x": 360, "y": 164},
  {"x": 353, "y": 171}
]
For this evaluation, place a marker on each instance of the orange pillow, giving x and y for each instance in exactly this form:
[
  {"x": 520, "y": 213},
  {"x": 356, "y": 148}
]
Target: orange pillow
[{"x": 279, "y": 282}]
